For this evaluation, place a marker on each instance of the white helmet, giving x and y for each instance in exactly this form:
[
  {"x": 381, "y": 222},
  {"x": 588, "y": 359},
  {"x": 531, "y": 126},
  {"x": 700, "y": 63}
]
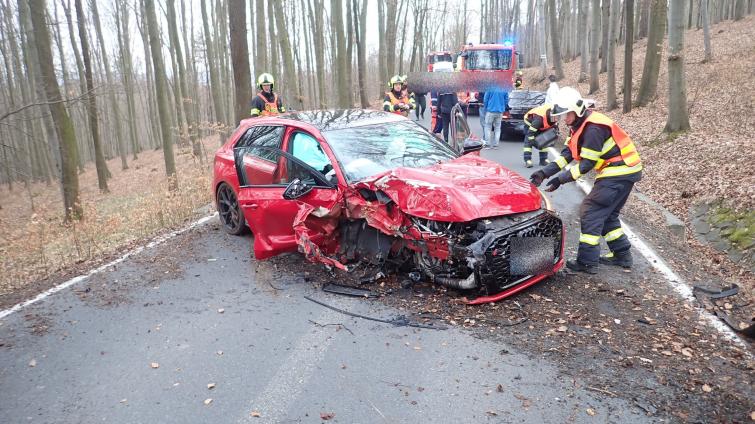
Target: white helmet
[{"x": 568, "y": 100}]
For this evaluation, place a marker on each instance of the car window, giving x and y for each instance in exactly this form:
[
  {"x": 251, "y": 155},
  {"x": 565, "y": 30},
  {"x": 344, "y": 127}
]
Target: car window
[
  {"x": 308, "y": 150},
  {"x": 261, "y": 141},
  {"x": 369, "y": 150}
]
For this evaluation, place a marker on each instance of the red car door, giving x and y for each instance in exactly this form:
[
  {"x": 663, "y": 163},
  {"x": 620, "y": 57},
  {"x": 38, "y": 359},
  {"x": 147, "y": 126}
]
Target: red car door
[{"x": 268, "y": 214}]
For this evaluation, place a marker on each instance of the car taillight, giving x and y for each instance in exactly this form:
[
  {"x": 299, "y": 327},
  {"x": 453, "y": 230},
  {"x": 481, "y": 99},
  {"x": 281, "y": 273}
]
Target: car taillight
[{"x": 506, "y": 115}]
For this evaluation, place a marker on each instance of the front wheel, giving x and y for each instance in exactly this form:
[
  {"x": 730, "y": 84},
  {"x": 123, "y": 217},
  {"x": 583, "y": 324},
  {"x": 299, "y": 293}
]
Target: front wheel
[{"x": 230, "y": 211}]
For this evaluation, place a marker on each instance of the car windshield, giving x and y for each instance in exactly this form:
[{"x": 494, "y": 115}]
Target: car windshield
[
  {"x": 372, "y": 149},
  {"x": 488, "y": 60},
  {"x": 441, "y": 58}
]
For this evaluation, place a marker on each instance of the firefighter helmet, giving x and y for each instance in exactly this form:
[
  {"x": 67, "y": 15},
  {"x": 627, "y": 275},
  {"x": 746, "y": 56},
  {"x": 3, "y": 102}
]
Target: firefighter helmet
[
  {"x": 568, "y": 100},
  {"x": 264, "y": 79},
  {"x": 519, "y": 73},
  {"x": 396, "y": 79}
]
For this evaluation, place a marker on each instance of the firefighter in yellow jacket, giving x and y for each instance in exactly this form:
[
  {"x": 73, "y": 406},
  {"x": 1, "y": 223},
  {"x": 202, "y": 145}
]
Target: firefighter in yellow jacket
[
  {"x": 396, "y": 100},
  {"x": 598, "y": 143},
  {"x": 266, "y": 102}
]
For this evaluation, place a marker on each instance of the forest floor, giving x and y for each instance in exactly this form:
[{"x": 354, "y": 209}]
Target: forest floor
[
  {"x": 710, "y": 164},
  {"x": 37, "y": 248}
]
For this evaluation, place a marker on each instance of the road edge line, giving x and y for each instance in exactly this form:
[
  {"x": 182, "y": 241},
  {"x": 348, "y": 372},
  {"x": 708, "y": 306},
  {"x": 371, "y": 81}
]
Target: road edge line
[{"x": 79, "y": 278}]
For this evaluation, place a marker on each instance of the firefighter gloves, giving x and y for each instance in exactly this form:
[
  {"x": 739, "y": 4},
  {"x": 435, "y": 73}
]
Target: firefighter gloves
[
  {"x": 553, "y": 184},
  {"x": 537, "y": 177}
]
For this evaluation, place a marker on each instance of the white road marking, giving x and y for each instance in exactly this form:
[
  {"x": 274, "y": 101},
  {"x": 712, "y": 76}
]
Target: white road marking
[
  {"x": 274, "y": 401},
  {"x": 101, "y": 268},
  {"x": 676, "y": 282}
]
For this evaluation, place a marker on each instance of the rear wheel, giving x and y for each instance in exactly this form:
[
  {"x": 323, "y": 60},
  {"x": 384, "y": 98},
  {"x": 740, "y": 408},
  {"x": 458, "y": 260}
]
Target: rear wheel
[{"x": 230, "y": 211}]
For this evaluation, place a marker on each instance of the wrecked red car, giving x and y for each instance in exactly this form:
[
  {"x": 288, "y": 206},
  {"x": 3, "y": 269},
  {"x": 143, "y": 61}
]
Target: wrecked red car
[{"x": 348, "y": 187}]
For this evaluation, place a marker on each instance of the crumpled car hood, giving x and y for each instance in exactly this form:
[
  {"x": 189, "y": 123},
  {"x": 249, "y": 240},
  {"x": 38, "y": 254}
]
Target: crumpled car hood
[{"x": 460, "y": 190}]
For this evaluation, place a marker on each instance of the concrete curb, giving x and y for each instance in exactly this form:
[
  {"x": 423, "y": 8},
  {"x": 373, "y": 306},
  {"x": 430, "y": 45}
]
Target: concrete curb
[{"x": 673, "y": 223}]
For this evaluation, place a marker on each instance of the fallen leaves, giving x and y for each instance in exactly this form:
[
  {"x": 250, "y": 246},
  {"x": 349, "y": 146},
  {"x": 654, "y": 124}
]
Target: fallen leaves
[
  {"x": 211, "y": 386},
  {"x": 707, "y": 388},
  {"x": 33, "y": 363},
  {"x": 154, "y": 365},
  {"x": 207, "y": 401},
  {"x": 590, "y": 412},
  {"x": 325, "y": 416},
  {"x": 255, "y": 414}
]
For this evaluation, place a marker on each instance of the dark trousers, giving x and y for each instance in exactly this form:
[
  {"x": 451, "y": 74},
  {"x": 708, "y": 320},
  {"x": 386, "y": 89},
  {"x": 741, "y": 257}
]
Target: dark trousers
[
  {"x": 599, "y": 217},
  {"x": 529, "y": 140},
  {"x": 446, "y": 123},
  {"x": 421, "y": 106}
]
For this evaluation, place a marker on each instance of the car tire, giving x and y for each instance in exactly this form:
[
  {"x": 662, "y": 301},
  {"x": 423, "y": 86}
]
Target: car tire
[{"x": 229, "y": 210}]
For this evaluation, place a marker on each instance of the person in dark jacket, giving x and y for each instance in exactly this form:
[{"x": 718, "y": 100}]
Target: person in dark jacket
[{"x": 446, "y": 102}]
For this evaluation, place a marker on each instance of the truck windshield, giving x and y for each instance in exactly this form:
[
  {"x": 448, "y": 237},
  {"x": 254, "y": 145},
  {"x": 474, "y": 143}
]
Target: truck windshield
[
  {"x": 488, "y": 60},
  {"x": 441, "y": 58}
]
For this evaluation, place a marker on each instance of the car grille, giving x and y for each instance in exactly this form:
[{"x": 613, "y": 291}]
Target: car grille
[{"x": 495, "y": 274}]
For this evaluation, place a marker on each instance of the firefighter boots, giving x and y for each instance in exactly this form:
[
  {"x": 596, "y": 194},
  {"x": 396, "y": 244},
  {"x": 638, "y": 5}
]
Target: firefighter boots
[
  {"x": 578, "y": 266},
  {"x": 622, "y": 259}
]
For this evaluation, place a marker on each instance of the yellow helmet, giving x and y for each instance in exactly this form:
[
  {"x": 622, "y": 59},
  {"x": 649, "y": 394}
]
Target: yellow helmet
[
  {"x": 396, "y": 79},
  {"x": 519, "y": 73},
  {"x": 265, "y": 79}
]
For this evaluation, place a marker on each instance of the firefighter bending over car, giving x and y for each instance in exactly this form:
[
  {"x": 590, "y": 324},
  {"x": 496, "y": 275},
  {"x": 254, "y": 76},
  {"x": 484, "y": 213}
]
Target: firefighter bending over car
[
  {"x": 397, "y": 100},
  {"x": 266, "y": 102},
  {"x": 537, "y": 120},
  {"x": 595, "y": 142}
]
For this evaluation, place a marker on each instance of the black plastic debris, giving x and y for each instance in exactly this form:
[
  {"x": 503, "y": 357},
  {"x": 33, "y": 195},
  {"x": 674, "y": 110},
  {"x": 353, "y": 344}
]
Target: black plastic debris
[
  {"x": 348, "y": 290},
  {"x": 372, "y": 278},
  {"x": 398, "y": 321}
]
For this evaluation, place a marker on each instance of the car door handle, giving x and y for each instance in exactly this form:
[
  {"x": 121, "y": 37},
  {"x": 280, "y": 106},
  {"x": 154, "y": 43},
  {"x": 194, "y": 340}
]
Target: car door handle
[{"x": 251, "y": 206}]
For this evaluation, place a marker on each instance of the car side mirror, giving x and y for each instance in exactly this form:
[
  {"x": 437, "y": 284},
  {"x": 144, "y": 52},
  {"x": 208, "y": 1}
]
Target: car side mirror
[
  {"x": 471, "y": 145},
  {"x": 296, "y": 189}
]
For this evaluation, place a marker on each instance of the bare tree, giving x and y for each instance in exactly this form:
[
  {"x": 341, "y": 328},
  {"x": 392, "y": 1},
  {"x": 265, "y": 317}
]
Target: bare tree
[
  {"x": 705, "y": 15},
  {"x": 678, "y": 116},
  {"x": 555, "y": 39},
  {"x": 102, "y": 172},
  {"x": 240, "y": 58},
  {"x": 610, "y": 57},
  {"x": 161, "y": 87},
  {"x": 628, "y": 45},
  {"x": 652, "y": 65},
  {"x": 359, "y": 9},
  {"x": 594, "y": 47},
  {"x": 63, "y": 125},
  {"x": 260, "y": 60},
  {"x": 285, "y": 46}
]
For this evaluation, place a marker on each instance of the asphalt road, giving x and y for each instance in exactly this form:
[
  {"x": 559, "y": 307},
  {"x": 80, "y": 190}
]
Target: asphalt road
[{"x": 141, "y": 342}]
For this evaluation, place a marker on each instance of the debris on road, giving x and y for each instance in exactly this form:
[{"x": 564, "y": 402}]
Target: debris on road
[
  {"x": 33, "y": 363},
  {"x": 208, "y": 401},
  {"x": 325, "y": 416},
  {"x": 211, "y": 386},
  {"x": 399, "y": 321},
  {"x": 154, "y": 365},
  {"x": 348, "y": 290}
]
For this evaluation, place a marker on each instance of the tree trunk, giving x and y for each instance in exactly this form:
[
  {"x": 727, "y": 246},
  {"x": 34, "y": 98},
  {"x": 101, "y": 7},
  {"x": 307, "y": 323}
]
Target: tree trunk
[
  {"x": 316, "y": 22},
  {"x": 555, "y": 40},
  {"x": 390, "y": 37},
  {"x": 360, "y": 32},
  {"x": 336, "y": 22},
  {"x": 285, "y": 46},
  {"x": 161, "y": 86},
  {"x": 383, "y": 46},
  {"x": 186, "y": 100},
  {"x": 628, "y": 45},
  {"x": 611, "y": 60},
  {"x": 260, "y": 60},
  {"x": 678, "y": 116},
  {"x": 541, "y": 39},
  {"x": 652, "y": 65},
  {"x": 124, "y": 46},
  {"x": 101, "y": 165},
  {"x": 110, "y": 86},
  {"x": 594, "y": 41},
  {"x": 604, "y": 25},
  {"x": 63, "y": 124},
  {"x": 582, "y": 38},
  {"x": 739, "y": 9},
  {"x": 240, "y": 58},
  {"x": 217, "y": 100},
  {"x": 706, "y": 29}
]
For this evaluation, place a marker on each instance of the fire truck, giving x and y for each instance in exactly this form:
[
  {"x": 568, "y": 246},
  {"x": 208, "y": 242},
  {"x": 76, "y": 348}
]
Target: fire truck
[
  {"x": 437, "y": 57},
  {"x": 486, "y": 58}
]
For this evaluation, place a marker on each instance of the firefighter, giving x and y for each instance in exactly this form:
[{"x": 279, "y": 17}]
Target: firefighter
[
  {"x": 596, "y": 142},
  {"x": 537, "y": 120},
  {"x": 405, "y": 91},
  {"x": 519, "y": 81},
  {"x": 266, "y": 103},
  {"x": 395, "y": 99}
]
